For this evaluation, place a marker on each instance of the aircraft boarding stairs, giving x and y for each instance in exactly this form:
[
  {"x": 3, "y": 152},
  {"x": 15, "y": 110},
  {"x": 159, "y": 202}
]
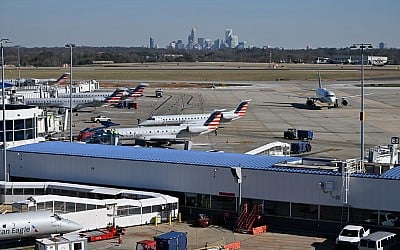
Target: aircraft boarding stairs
[{"x": 246, "y": 220}]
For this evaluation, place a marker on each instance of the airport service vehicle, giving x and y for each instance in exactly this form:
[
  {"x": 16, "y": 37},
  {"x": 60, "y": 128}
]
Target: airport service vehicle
[
  {"x": 300, "y": 147},
  {"x": 383, "y": 219},
  {"x": 159, "y": 93},
  {"x": 379, "y": 241},
  {"x": 100, "y": 118},
  {"x": 16, "y": 226},
  {"x": 103, "y": 234},
  {"x": 292, "y": 133},
  {"x": 203, "y": 220},
  {"x": 167, "y": 241},
  {"x": 350, "y": 236}
]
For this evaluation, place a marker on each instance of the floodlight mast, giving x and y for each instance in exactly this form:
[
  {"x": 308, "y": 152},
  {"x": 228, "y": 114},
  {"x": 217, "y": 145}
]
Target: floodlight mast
[
  {"x": 70, "y": 45},
  {"x": 362, "y": 46},
  {"x": 2, "y": 42}
]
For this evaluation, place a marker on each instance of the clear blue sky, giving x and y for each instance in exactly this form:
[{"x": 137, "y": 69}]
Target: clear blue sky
[{"x": 284, "y": 23}]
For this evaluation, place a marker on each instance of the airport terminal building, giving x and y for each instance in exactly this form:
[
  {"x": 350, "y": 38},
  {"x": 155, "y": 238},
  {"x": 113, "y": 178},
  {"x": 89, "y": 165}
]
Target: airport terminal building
[{"x": 318, "y": 197}]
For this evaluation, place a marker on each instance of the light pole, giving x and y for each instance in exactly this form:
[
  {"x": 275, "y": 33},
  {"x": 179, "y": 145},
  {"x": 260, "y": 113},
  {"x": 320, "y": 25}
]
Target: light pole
[
  {"x": 2, "y": 42},
  {"x": 362, "y": 46},
  {"x": 70, "y": 45},
  {"x": 19, "y": 65}
]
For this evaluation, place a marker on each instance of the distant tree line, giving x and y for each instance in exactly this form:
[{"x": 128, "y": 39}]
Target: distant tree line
[{"x": 56, "y": 56}]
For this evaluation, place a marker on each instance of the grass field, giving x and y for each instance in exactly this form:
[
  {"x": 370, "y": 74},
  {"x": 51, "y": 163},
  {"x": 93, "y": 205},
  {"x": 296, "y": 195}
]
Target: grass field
[{"x": 210, "y": 72}]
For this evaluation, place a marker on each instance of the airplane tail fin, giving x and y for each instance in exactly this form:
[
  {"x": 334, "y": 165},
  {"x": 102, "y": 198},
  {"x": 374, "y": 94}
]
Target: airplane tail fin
[
  {"x": 213, "y": 120},
  {"x": 137, "y": 92},
  {"x": 63, "y": 78},
  {"x": 115, "y": 97},
  {"x": 242, "y": 108}
]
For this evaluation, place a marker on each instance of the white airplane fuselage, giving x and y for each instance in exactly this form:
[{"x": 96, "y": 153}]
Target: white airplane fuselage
[
  {"x": 326, "y": 96},
  {"x": 165, "y": 133},
  {"x": 174, "y": 119},
  {"x": 226, "y": 116},
  {"x": 33, "y": 225},
  {"x": 77, "y": 103}
]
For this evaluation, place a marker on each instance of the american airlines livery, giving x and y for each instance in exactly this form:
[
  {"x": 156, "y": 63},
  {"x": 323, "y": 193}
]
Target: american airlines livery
[
  {"x": 227, "y": 116},
  {"x": 34, "y": 225},
  {"x": 171, "y": 133},
  {"x": 61, "y": 80},
  {"x": 136, "y": 92},
  {"x": 77, "y": 103}
]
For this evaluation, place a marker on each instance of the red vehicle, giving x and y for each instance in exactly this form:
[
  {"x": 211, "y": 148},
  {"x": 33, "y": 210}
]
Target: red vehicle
[
  {"x": 146, "y": 245},
  {"x": 103, "y": 234},
  {"x": 203, "y": 220}
]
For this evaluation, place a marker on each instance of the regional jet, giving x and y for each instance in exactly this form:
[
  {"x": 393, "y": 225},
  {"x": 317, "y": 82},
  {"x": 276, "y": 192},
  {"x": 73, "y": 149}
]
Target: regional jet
[
  {"x": 16, "y": 226},
  {"x": 136, "y": 92},
  {"x": 77, "y": 103},
  {"x": 227, "y": 116},
  {"x": 61, "y": 80},
  {"x": 325, "y": 96},
  {"x": 168, "y": 134}
]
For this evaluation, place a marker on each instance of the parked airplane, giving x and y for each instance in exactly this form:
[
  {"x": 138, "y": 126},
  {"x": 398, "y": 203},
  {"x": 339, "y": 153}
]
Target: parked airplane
[
  {"x": 169, "y": 134},
  {"x": 136, "y": 92},
  {"x": 16, "y": 226},
  {"x": 61, "y": 80},
  {"x": 77, "y": 103},
  {"x": 325, "y": 96},
  {"x": 227, "y": 116},
  {"x": 128, "y": 93},
  {"x": 95, "y": 94}
]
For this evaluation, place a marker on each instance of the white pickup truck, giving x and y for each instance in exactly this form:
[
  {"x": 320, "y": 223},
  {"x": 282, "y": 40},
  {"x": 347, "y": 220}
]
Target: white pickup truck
[
  {"x": 350, "y": 236},
  {"x": 100, "y": 118}
]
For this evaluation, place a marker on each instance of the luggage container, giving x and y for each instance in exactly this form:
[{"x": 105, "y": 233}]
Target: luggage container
[{"x": 171, "y": 241}]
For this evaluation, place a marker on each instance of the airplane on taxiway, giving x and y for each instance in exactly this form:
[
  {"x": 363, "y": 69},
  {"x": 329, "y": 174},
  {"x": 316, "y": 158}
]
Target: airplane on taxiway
[
  {"x": 16, "y": 226},
  {"x": 227, "y": 116},
  {"x": 325, "y": 96}
]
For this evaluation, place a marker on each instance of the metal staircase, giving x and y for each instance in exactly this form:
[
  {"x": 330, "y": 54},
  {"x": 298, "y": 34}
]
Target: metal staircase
[{"x": 246, "y": 220}]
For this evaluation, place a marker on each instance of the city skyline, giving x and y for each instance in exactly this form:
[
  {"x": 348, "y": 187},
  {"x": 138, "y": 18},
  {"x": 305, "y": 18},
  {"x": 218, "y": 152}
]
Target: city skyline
[{"x": 289, "y": 24}]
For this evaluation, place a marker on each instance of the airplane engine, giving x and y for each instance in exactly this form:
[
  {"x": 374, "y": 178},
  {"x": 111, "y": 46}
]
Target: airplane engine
[
  {"x": 345, "y": 102},
  {"x": 310, "y": 102},
  {"x": 195, "y": 129}
]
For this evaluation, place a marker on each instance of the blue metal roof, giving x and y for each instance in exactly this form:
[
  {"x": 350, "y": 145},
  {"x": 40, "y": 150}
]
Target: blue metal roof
[
  {"x": 190, "y": 157},
  {"x": 393, "y": 173}
]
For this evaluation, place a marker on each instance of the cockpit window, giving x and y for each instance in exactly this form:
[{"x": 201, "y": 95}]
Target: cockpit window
[{"x": 56, "y": 217}]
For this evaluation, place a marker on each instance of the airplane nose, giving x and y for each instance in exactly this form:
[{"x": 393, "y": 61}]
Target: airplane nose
[{"x": 70, "y": 226}]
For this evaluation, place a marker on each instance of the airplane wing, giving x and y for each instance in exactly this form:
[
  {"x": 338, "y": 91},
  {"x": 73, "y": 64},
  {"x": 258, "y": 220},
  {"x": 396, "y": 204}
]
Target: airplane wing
[
  {"x": 314, "y": 98},
  {"x": 351, "y": 96},
  {"x": 290, "y": 95}
]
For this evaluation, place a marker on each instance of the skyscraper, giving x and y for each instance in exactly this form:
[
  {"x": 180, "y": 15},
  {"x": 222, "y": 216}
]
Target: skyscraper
[
  {"x": 192, "y": 39},
  {"x": 152, "y": 43},
  {"x": 228, "y": 36}
]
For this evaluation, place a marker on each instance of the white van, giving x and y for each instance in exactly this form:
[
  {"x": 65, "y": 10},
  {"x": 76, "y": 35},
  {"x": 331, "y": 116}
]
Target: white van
[{"x": 379, "y": 240}]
